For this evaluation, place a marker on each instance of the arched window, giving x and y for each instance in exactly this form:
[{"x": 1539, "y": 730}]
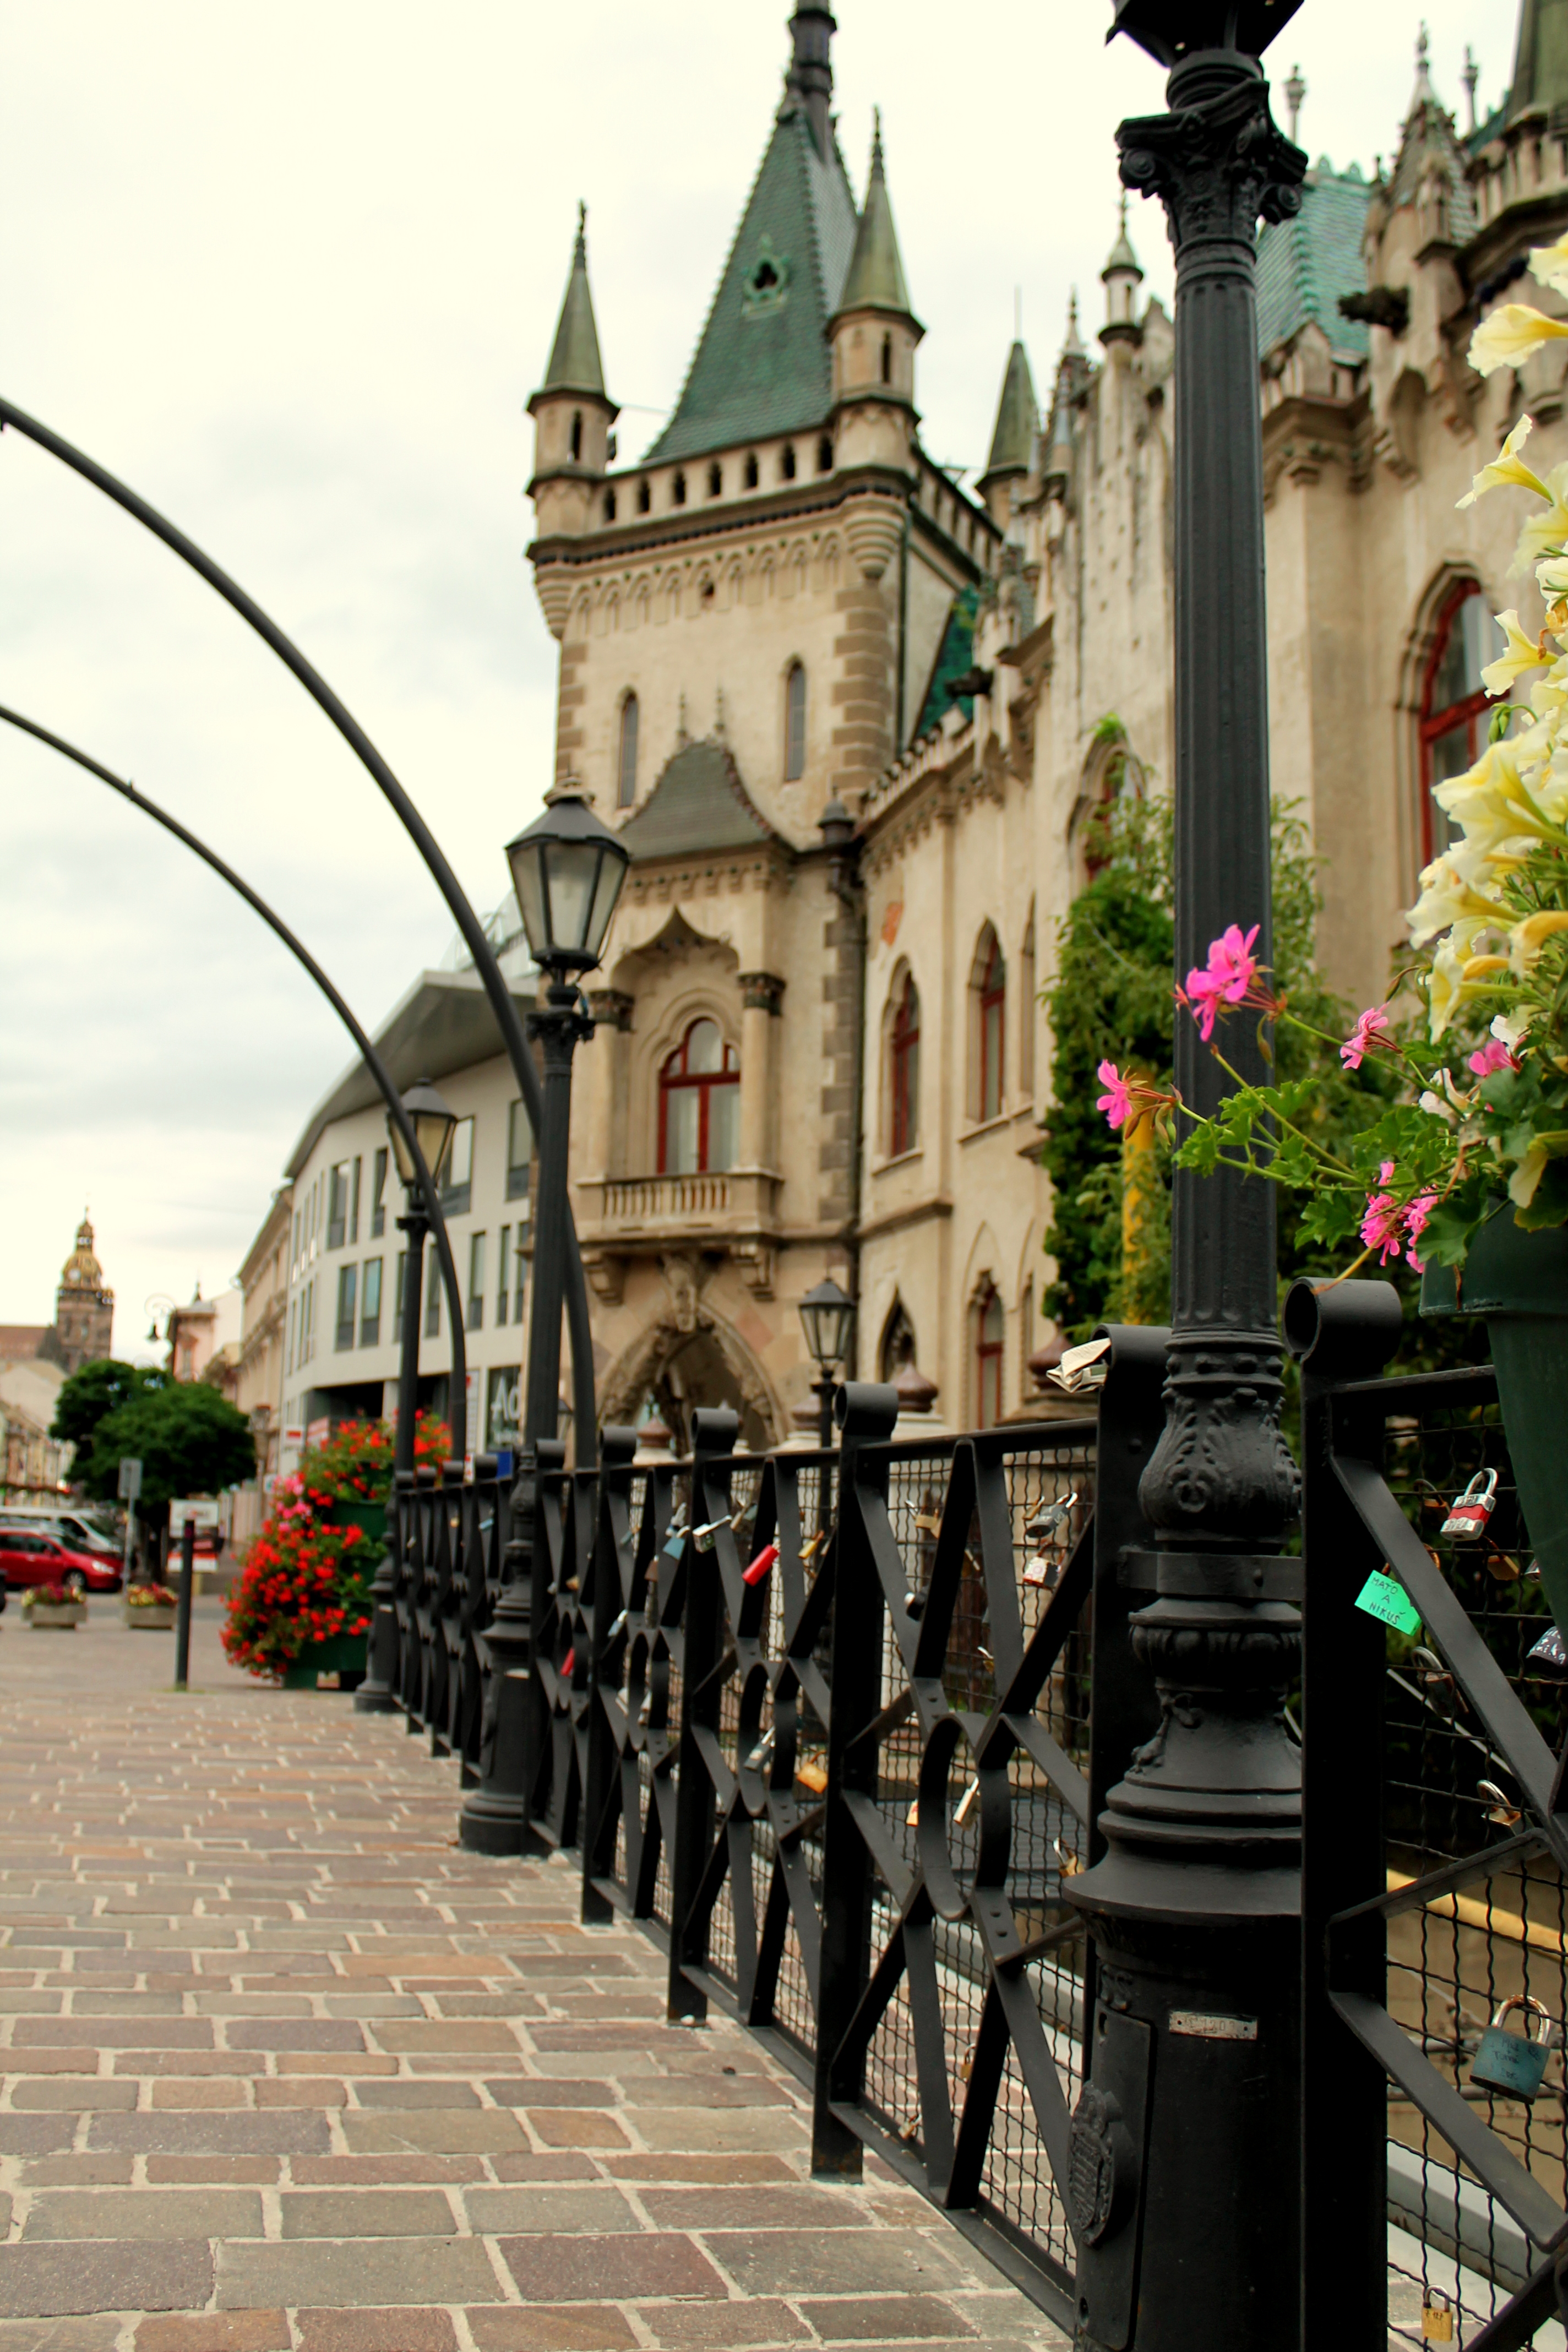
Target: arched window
[
  {"x": 989, "y": 1331},
  {"x": 904, "y": 1071},
  {"x": 898, "y": 1348},
  {"x": 794, "y": 723},
  {"x": 699, "y": 1104},
  {"x": 1452, "y": 705},
  {"x": 886, "y": 359},
  {"x": 786, "y": 463},
  {"x": 576, "y": 435},
  {"x": 715, "y": 480},
  {"x": 989, "y": 988},
  {"x": 626, "y": 770}
]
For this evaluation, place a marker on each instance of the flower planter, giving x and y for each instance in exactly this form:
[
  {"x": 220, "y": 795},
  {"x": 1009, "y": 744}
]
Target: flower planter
[
  {"x": 155, "y": 1618},
  {"x": 344, "y": 1655},
  {"x": 369, "y": 1518},
  {"x": 65, "y": 1619},
  {"x": 1518, "y": 1282}
]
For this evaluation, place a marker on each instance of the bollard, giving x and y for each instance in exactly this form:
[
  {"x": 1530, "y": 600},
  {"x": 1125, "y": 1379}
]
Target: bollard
[{"x": 182, "y": 1621}]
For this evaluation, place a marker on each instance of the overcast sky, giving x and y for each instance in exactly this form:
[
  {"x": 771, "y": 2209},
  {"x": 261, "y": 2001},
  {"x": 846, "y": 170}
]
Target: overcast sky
[{"x": 293, "y": 272}]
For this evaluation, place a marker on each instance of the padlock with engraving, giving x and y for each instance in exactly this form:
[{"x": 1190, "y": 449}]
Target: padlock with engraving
[
  {"x": 1046, "y": 1532},
  {"x": 1436, "y": 2317},
  {"x": 1469, "y": 1517},
  {"x": 1513, "y": 2063}
]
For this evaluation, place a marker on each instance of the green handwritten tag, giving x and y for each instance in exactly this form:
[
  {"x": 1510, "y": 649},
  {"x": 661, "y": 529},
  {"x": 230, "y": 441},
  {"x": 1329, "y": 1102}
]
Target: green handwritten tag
[{"x": 1382, "y": 1598}]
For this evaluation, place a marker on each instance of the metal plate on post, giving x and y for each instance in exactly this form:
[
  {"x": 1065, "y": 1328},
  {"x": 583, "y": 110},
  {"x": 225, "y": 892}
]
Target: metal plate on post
[{"x": 1109, "y": 2134}]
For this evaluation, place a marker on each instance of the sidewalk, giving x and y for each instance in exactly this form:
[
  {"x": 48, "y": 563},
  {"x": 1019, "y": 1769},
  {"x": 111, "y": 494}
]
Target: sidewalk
[{"x": 283, "y": 2067}]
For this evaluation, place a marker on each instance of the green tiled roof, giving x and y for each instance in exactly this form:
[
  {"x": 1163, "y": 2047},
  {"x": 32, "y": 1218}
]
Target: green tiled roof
[
  {"x": 763, "y": 364},
  {"x": 1540, "y": 60},
  {"x": 876, "y": 278},
  {"x": 698, "y": 803},
  {"x": 575, "y": 363},
  {"x": 1306, "y": 264},
  {"x": 1017, "y": 420},
  {"x": 956, "y": 654}
]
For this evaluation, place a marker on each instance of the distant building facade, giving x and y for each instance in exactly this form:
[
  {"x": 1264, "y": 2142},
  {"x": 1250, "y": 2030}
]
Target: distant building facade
[{"x": 258, "y": 1360}]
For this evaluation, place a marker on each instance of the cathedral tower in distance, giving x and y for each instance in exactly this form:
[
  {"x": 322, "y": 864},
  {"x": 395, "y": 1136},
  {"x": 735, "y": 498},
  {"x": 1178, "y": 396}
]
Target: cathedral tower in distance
[{"x": 84, "y": 1305}]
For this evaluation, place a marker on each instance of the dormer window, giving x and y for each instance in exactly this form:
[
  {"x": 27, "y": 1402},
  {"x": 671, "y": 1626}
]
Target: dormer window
[
  {"x": 644, "y": 497},
  {"x": 576, "y": 437},
  {"x": 679, "y": 492},
  {"x": 715, "y": 481},
  {"x": 786, "y": 463},
  {"x": 751, "y": 469}
]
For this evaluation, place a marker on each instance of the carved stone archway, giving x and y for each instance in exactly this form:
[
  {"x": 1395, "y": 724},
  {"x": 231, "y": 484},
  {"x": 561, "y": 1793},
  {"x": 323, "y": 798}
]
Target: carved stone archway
[{"x": 688, "y": 1356}]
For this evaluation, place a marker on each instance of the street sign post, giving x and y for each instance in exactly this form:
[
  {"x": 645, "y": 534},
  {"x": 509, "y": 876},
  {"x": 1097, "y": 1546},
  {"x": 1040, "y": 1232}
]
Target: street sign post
[{"x": 130, "y": 1488}]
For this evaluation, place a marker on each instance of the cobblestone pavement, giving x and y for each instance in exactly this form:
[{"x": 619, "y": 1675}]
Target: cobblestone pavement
[{"x": 284, "y": 2067}]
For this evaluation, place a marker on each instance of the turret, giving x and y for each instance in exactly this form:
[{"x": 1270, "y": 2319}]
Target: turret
[
  {"x": 1071, "y": 369},
  {"x": 874, "y": 333},
  {"x": 1541, "y": 60},
  {"x": 1012, "y": 455},
  {"x": 571, "y": 411},
  {"x": 1122, "y": 277}
]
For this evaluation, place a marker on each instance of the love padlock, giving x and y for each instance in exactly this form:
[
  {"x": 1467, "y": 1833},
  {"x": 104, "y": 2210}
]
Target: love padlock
[
  {"x": 1512, "y": 2063},
  {"x": 1475, "y": 1507},
  {"x": 761, "y": 1565},
  {"x": 1436, "y": 2317}
]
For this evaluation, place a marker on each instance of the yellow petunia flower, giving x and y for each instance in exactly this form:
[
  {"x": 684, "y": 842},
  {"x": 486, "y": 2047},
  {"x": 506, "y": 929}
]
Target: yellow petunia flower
[
  {"x": 1509, "y": 335},
  {"x": 1508, "y": 471},
  {"x": 1549, "y": 263},
  {"x": 1527, "y": 939},
  {"x": 1521, "y": 653}
]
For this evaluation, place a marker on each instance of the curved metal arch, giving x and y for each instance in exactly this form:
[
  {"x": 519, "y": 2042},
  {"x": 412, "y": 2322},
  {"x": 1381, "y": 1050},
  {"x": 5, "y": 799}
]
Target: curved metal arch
[
  {"x": 458, "y": 1412},
  {"x": 585, "y": 1421}
]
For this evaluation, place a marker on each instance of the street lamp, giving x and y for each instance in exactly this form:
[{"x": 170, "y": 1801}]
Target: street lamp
[
  {"x": 567, "y": 871},
  {"x": 1190, "y": 2232},
  {"x": 827, "y": 1315}
]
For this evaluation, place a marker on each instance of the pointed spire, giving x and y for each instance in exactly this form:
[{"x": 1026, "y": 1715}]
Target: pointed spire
[
  {"x": 1295, "y": 98},
  {"x": 1073, "y": 346},
  {"x": 809, "y": 81},
  {"x": 1472, "y": 79},
  {"x": 876, "y": 276},
  {"x": 1423, "y": 94},
  {"x": 1540, "y": 58},
  {"x": 1018, "y": 423},
  {"x": 575, "y": 363},
  {"x": 1124, "y": 261}
]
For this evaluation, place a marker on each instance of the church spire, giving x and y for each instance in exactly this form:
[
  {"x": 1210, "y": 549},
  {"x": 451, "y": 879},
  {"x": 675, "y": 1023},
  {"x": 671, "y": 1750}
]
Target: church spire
[
  {"x": 575, "y": 363},
  {"x": 1013, "y": 441},
  {"x": 876, "y": 275},
  {"x": 809, "y": 80},
  {"x": 1540, "y": 58}
]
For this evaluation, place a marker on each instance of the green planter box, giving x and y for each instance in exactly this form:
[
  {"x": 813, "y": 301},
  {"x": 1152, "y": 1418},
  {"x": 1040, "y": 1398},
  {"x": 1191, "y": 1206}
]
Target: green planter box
[
  {"x": 344, "y": 1654},
  {"x": 369, "y": 1518}
]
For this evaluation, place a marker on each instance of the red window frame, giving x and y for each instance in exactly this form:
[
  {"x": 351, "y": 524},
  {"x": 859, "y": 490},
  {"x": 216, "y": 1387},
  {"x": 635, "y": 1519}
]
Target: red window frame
[
  {"x": 988, "y": 1354},
  {"x": 1434, "y": 725},
  {"x": 992, "y": 994},
  {"x": 676, "y": 1078},
  {"x": 905, "y": 1070}
]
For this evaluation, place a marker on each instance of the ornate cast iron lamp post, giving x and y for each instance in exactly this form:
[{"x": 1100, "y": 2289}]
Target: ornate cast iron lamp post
[
  {"x": 827, "y": 1314},
  {"x": 567, "y": 869},
  {"x": 1186, "y": 2147}
]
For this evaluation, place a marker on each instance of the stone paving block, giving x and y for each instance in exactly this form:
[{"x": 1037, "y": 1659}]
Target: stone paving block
[
  {"x": 710, "y": 2091},
  {"x": 384, "y": 2171},
  {"x": 144, "y": 2213},
  {"x": 236, "y": 2171},
  {"x": 693, "y": 2326},
  {"x": 495, "y": 2211},
  {"x": 74, "y": 2094},
  {"x": 562, "y": 2164},
  {"x": 216, "y": 2331},
  {"x": 59, "y": 2335},
  {"x": 282, "y": 2133},
  {"x": 293, "y": 2033},
  {"x": 571, "y": 2128},
  {"x": 406, "y": 2033},
  {"x": 839, "y": 2262},
  {"x": 566, "y": 2328},
  {"x": 361, "y": 2271},
  {"x": 571, "y": 2270},
  {"x": 727, "y": 2170},
  {"x": 691, "y": 2129},
  {"x": 405, "y": 2093},
  {"x": 860, "y": 2319},
  {"x": 539, "y": 2091},
  {"x": 105, "y": 2275},
  {"x": 300, "y": 2090},
  {"x": 797, "y": 2207},
  {"x": 375, "y": 2331},
  {"x": 202, "y": 2090},
  {"x": 113, "y": 2033},
  {"x": 437, "y": 2131},
  {"x": 367, "y": 2213},
  {"x": 77, "y": 2172},
  {"x": 126, "y": 2062},
  {"x": 34, "y": 2135}
]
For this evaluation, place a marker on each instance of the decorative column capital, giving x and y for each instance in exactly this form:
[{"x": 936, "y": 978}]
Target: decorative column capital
[
  {"x": 611, "y": 1008},
  {"x": 761, "y": 991},
  {"x": 1218, "y": 161}
]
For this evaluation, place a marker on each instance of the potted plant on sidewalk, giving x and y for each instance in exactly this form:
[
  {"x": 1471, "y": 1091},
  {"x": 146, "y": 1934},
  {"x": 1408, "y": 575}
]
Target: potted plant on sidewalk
[
  {"x": 150, "y": 1607},
  {"x": 300, "y": 1606},
  {"x": 50, "y": 1608}
]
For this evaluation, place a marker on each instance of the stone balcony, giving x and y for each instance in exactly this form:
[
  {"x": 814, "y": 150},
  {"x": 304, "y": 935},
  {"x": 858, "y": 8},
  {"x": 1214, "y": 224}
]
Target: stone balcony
[{"x": 734, "y": 1210}]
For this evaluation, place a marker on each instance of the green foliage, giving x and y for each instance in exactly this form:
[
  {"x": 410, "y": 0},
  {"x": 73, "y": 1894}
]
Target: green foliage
[
  {"x": 190, "y": 1441},
  {"x": 98, "y": 1390}
]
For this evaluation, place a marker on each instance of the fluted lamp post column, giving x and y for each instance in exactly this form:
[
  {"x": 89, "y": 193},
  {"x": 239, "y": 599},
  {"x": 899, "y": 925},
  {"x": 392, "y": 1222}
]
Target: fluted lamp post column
[
  {"x": 827, "y": 1317},
  {"x": 434, "y": 1123},
  {"x": 1183, "y": 2185},
  {"x": 567, "y": 871}
]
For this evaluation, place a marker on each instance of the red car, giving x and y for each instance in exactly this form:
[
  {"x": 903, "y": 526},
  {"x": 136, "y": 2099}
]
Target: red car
[{"x": 28, "y": 1556}]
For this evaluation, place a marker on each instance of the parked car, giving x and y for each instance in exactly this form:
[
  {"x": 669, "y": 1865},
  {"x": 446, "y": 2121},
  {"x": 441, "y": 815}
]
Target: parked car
[
  {"x": 79, "y": 1530},
  {"x": 29, "y": 1555}
]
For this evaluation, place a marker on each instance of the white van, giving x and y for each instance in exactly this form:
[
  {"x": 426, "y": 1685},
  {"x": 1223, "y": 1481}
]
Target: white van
[{"x": 84, "y": 1531}]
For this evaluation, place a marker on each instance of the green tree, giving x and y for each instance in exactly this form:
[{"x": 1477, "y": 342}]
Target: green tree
[
  {"x": 96, "y": 1391},
  {"x": 189, "y": 1440}
]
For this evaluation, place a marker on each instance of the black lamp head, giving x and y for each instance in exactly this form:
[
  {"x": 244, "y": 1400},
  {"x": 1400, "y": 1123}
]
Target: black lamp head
[
  {"x": 567, "y": 871},
  {"x": 827, "y": 1314},
  {"x": 434, "y": 1123},
  {"x": 1174, "y": 29}
]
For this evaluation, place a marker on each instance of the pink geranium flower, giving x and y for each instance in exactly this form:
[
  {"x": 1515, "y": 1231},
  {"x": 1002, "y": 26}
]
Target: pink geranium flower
[
  {"x": 1371, "y": 1029},
  {"x": 1381, "y": 1227},
  {"x": 1414, "y": 1224},
  {"x": 1493, "y": 1056},
  {"x": 1232, "y": 968},
  {"x": 1116, "y": 1102}
]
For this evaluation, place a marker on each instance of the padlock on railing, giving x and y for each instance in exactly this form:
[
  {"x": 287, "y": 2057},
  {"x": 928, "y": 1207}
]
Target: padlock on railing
[
  {"x": 761, "y": 1565},
  {"x": 1512, "y": 2063},
  {"x": 1436, "y": 2317},
  {"x": 1469, "y": 1517},
  {"x": 1046, "y": 1531}
]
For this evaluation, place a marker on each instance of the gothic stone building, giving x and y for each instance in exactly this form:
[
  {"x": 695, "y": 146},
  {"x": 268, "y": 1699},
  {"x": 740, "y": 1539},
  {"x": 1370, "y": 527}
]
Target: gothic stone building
[{"x": 785, "y": 630}]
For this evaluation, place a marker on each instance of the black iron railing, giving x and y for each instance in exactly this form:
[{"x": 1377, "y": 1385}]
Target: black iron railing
[{"x": 837, "y": 1727}]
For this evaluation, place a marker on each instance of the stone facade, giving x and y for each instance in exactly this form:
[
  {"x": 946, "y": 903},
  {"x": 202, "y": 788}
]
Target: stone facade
[{"x": 978, "y": 673}]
